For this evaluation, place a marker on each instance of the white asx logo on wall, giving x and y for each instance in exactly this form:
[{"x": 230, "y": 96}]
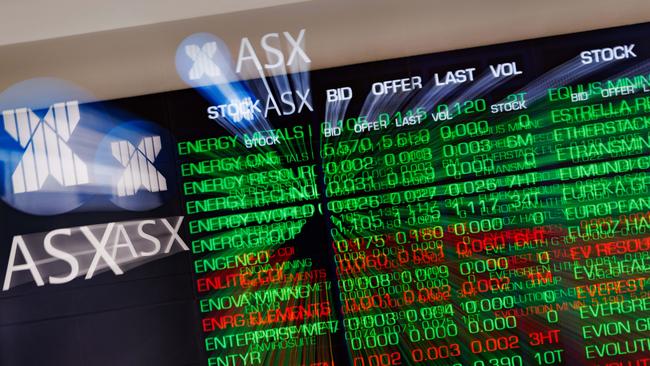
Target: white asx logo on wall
[
  {"x": 202, "y": 60},
  {"x": 46, "y": 151},
  {"x": 139, "y": 170},
  {"x": 58, "y": 158}
]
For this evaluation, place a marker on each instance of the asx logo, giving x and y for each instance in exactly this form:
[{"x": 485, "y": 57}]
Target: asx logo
[
  {"x": 275, "y": 58},
  {"x": 204, "y": 59},
  {"x": 55, "y": 171},
  {"x": 138, "y": 162},
  {"x": 62, "y": 255},
  {"x": 46, "y": 152},
  {"x": 274, "y": 67}
]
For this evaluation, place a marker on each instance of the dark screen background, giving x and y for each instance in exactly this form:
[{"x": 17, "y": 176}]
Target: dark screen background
[{"x": 149, "y": 316}]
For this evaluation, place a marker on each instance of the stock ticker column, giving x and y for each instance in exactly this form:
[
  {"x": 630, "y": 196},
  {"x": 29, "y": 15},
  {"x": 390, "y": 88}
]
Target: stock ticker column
[
  {"x": 384, "y": 219},
  {"x": 600, "y": 133},
  {"x": 493, "y": 213},
  {"x": 251, "y": 202}
]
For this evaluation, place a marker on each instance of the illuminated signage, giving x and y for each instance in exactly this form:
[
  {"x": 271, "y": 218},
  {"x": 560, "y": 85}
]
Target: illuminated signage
[{"x": 480, "y": 207}]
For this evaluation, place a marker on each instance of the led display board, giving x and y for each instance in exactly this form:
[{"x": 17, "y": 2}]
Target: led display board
[{"x": 484, "y": 207}]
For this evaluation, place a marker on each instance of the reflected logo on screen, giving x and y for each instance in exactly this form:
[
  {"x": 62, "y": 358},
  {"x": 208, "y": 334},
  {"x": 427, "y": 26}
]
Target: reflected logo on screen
[
  {"x": 46, "y": 153},
  {"x": 139, "y": 170},
  {"x": 202, "y": 59}
]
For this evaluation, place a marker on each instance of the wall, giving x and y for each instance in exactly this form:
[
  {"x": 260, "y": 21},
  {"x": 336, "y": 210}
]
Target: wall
[{"x": 140, "y": 60}]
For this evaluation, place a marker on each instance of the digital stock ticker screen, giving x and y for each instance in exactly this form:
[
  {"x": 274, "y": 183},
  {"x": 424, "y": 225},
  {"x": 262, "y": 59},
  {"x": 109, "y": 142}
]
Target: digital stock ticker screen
[{"x": 479, "y": 207}]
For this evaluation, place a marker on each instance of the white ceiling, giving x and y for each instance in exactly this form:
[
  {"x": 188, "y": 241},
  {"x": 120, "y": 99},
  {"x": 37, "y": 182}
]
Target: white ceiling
[
  {"x": 113, "y": 61},
  {"x": 33, "y": 20}
]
